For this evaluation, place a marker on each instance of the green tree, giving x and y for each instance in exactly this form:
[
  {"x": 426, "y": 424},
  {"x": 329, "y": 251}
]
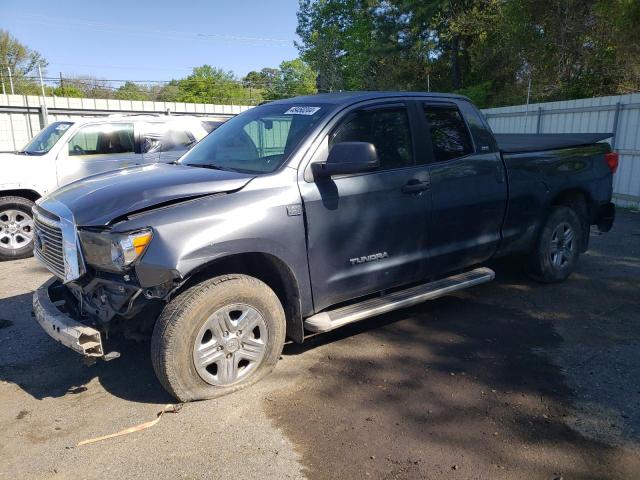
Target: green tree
[
  {"x": 337, "y": 40},
  {"x": 262, "y": 78},
  {"x": 294, "y": 77},
  {"x": 208, "y": 84},
  {"x": 169, "y": 92},
  {"x": 23, "y": 63},
  {"x": 488, "y": 49},
  {"x": 67, "y": 91},
  {"x": 132, "y": 91},
  {"x": 21, "y": 59},
  {"x": 88, "y": 86},
  {"x": 257, "y": 82}
]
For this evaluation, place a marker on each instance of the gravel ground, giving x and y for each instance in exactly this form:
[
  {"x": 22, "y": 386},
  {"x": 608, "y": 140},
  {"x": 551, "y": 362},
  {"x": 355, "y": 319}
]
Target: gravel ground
[{"x": 508, "y": 380}]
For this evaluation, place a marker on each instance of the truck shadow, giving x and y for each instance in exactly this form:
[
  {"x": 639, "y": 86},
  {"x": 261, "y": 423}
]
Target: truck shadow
[
  {"x": 32, "y": 360},
  {"x": 482, "y": 381}
]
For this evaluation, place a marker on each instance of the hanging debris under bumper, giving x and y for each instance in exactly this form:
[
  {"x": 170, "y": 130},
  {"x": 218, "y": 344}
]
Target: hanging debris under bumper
[{"x": 61, "y": 327}]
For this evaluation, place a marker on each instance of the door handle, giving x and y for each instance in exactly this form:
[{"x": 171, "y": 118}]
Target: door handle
[{"x": 415, "y": 186}]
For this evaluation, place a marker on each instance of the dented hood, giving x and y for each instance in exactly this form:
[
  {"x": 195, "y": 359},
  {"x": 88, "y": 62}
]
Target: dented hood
[{"x": 99, "y": 199}]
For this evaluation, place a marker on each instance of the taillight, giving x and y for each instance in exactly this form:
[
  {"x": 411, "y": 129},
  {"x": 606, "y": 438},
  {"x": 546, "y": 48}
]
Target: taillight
[{"x": 612, "y": 160}]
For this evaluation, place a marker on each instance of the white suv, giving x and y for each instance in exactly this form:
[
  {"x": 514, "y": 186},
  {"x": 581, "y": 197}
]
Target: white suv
[{"x": 65, "y": 151}]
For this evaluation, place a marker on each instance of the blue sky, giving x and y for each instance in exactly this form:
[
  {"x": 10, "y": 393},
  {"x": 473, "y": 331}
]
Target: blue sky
[{"x": 153, "y": 40}]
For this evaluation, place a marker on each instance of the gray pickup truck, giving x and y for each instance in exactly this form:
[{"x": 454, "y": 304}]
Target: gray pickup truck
[{"x": 303, "y": 215}]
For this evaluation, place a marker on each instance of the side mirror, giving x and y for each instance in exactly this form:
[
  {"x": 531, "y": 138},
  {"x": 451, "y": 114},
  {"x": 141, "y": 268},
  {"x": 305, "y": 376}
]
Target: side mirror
[{"x": 348, "y": 157}]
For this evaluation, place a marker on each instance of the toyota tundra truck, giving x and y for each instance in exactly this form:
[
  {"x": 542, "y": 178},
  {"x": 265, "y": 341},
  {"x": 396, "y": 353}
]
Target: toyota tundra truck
[{"x": 303, "y": 215}]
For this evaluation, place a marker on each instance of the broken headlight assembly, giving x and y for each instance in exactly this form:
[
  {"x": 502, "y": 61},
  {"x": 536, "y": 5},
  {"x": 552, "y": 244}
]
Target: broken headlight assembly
[{"x": 112, "y": 251}]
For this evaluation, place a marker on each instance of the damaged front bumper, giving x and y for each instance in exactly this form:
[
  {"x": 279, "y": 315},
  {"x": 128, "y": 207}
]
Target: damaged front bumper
[{"x": 61, "y": 327}]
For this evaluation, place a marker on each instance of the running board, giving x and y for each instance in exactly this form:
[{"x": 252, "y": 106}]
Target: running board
[{"x": 325, "y": 321}]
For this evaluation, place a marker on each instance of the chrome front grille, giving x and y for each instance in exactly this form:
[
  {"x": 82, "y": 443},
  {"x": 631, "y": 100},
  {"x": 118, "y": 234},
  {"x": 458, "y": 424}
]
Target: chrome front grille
[
  {"x": 48, "y": 244},
  {"x": 56, "y": 240}
]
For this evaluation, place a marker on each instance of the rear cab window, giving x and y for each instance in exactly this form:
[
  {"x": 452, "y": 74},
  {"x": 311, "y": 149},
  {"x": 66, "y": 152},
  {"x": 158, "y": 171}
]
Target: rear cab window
[
  {"x": 450, "y": 137},
  {"x": 480, "y": 130}
]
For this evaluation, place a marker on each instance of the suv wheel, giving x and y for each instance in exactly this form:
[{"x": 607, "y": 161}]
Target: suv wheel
[
  {"x": 16, "y": 228},
  {"x": 218, "y": 337},
  {"x": 556, "y": 253}
]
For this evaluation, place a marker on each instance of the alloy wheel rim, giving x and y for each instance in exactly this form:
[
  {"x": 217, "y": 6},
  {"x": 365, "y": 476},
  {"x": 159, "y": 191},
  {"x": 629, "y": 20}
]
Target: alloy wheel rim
[
  {"x": 562, "y": 245},
  {"x": 16, "y": 229},
  {"x": 230, "y": 345}
]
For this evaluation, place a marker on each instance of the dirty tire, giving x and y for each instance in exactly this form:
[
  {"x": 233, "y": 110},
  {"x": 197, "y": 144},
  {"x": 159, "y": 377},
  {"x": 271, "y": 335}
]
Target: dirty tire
[
  {"x": 176, "y": 331},
  {"x": 23, "y": 205},
  {"x": 540, "y": 264}
]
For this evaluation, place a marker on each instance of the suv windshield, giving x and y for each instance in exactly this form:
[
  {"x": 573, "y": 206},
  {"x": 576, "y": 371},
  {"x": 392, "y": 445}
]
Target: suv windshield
[
  {"x": 46, "y": 139},
  {"x": 258, "y": 140}
]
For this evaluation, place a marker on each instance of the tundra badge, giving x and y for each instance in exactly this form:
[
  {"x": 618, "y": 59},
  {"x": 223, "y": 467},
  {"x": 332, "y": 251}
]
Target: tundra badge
[{"x": 368, "y": 258}]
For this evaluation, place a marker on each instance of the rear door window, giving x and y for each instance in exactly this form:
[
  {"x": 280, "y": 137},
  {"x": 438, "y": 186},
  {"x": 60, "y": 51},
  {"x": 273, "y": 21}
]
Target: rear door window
[
  {"x": 103, "y": 139},
  {"x": 449, "y": 135},
  {"x": 210, "y": 125},
  {"x": 163, "y": 137}
]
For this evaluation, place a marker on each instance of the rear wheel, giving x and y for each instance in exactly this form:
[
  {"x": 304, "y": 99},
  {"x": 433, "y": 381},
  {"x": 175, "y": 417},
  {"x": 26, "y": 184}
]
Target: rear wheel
[
  {"x": 218, "y": 337},
  {"x": 556, "y": 253},
  {"x": 16, "y": 228}
]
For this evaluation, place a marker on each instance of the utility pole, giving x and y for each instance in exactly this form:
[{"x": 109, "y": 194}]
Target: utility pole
[
  {"x": 10, "y": 79},
  {"x": 4, "y": 92},
  {"x": 43, "y": 108},
  {"x": 428, "y": 82},
  {"x": 61, "y": 85},
  {"x": 41, "y": 82},
  {"x": 526, "y": 112}
]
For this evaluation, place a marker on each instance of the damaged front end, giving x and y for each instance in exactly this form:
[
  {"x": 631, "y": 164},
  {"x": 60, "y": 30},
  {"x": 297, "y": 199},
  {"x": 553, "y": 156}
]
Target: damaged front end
[
  {"x": 96, "y": 292},
  {"x": 106, "y": 300},
  {"x": 49, "y": 309},
  {"x": 82, "y": 315},
  {"x": 90, "y": 235}
]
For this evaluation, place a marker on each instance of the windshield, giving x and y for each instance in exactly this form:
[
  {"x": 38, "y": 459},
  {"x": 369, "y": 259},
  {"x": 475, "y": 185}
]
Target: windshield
[
  {"x": 258, "y": 140},
  {"x": 46, "y": 139}
]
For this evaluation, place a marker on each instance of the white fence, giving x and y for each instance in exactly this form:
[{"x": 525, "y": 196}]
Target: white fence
[
  {"x": 22, "y": 116},
  {"x": 619, "y": 115}
]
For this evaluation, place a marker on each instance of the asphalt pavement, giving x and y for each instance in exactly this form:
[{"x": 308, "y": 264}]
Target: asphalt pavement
[{"x": 508, "y": 380}]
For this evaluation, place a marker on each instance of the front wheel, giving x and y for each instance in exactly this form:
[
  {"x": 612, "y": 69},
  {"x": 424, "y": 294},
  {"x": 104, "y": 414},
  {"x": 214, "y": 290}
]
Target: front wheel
[
  {"x": 556, "y": 252},
  {"x": 16, "y": 228},
  {"x": 217, "y": 337}
]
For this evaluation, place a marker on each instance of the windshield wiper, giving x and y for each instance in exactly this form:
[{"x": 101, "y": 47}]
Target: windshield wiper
[
  {"x": 205, "y": 165},
  {"x": 213, "y": 166},
  {"x": 23, "y": 152}
]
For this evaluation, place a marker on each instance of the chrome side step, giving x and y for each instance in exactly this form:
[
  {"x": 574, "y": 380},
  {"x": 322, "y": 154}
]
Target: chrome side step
[{"x": 325, "y": 321}]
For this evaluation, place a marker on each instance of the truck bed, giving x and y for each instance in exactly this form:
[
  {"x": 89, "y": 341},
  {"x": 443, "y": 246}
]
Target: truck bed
[{"x": 533, "y": 142}]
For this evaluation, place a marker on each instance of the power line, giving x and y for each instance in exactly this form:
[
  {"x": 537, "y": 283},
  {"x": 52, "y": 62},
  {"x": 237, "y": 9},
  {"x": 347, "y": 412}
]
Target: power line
[
  {"x": 203, "y": 81},
  {"x": 105, "y": 85},
  {"x": 124, "y": 67}
]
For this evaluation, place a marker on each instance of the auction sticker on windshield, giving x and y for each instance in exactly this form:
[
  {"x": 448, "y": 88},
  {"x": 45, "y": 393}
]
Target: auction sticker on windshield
[
  {"x": 62, "y": 126},
  {"x": 302, "y": 110}
]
